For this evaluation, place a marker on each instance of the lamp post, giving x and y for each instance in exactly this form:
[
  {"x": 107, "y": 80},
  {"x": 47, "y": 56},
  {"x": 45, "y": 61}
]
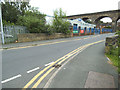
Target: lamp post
[{"x": 1, "y": 25}]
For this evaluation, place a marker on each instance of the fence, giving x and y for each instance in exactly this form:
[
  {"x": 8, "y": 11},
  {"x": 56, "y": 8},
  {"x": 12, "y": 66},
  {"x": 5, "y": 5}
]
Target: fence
[{"x": 10, "y": 32}]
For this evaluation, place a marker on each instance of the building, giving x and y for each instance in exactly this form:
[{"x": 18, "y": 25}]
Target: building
[{"x": 80, "y": 23}]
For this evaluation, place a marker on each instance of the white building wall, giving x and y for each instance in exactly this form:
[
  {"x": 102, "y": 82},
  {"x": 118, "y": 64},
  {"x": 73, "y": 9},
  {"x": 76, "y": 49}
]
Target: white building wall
[{"x": 79, "y": 22}]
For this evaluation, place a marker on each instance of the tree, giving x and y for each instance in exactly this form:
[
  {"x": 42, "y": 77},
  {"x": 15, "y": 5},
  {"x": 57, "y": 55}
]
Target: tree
[
  {"x": 60, "y": 25},
  {"x": 12, "y": 10},
  {"x": 33, "y": 20},
  {"x": 88, "y": 21}
]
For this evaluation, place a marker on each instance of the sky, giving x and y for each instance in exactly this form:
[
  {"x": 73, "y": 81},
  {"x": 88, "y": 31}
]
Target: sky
[{"x": 74, "y": 7}]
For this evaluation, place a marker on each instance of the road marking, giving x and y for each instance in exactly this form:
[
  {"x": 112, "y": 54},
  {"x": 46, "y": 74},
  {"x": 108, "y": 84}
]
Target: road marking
[
  {"x": 49, "y": 63},
  {"x": 70, "y": 55},
  {"x": 33, "y": 70},
  {"x": 50, "y": 43},
  {"x": 74, "y": 54},
  {"x": 36, "y": 76},
  {"x": 51, "y": 78},
  {"x": 12, "y": 78},
  {"x": 39, "y": 81},
  {"x": 60, "y": 60}
]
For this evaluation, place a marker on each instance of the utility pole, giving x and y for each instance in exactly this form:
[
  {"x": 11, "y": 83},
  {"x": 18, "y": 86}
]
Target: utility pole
[{"x": 1, "y": 25}]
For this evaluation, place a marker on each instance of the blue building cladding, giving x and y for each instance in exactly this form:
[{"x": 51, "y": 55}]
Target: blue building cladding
[
  {"x": 79, "y": 24},
  {"x": 89, "y": 30},
  {"x": 99, "y": 31},
  {"x": 74, "y": 27},
  {"x": 106, "y": 30},
  {"x": 92, "y": 30}
]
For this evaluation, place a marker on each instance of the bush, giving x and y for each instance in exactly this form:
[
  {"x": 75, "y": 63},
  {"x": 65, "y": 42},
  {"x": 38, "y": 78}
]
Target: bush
[
  {"x": 49, "y": 30},
  {"x": 60, "y": 25},
  {"x": 8, "y": 23},
  {"x": 114, "y": 53},
  {"x": 33, "y": 20}
]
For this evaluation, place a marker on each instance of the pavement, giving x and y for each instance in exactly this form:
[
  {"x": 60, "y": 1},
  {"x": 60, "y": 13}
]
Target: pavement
[
  {"x": 89, "y": 69},
  {"x": 22, "y": 63},
  {"x": 35, "y": 43}
]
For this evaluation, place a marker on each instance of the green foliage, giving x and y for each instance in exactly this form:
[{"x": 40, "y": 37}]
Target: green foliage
[
  {"x": 60, "y": 25},
  {"x": 33, "y": 20},
  {"x": 7, "y": 23},
  {"x": 12, "y": 10},
  {"x": 109, "y": 27},
  {"x": 88, "y": 21},
  {"x": 114, "y": 53},
  {"x": 118, "y": 33},
  {"x": 21, "y": 13},
  {"x": 114, "y": 58},
  {"x": 49, "y": 30},
  {"x": 100, "y": 21}
]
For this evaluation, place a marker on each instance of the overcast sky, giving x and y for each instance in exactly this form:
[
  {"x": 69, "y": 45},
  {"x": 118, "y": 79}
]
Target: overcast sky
[{"x": 73, "y": 7}]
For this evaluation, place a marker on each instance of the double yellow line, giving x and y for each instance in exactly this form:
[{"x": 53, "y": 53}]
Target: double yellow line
[{"x": 49, "y": 68}]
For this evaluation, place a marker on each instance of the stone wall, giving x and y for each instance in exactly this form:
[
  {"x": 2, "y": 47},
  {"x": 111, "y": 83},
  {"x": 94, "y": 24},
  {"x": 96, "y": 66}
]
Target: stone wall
[
  {"x": 111, "y": 42},
  {"x": 29, "y": 37}
]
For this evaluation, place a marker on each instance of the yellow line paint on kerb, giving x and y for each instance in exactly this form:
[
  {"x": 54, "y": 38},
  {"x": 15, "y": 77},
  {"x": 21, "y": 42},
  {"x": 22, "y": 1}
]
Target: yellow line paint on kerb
[
  {"x": 50, "y": 43},
  {"x": 62, "y": 58}
]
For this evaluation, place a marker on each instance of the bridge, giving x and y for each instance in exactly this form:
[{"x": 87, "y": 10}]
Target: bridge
[{"x": 95, "y": 17}]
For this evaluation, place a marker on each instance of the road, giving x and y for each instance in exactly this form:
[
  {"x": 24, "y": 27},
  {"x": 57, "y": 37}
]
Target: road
[{"x": 24, "y": 66}]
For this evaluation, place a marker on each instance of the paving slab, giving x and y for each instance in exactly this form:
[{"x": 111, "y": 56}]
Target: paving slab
[{"x": 99, "y": 80}]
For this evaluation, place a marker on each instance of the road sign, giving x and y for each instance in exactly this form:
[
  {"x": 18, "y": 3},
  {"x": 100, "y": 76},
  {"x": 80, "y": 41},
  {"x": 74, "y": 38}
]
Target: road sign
[
  {"x": 75, "y": 31},
  {"x": 81, "y": 31}
]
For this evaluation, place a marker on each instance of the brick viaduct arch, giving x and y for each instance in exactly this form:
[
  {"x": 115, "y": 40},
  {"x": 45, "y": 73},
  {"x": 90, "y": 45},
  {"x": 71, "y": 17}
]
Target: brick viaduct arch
[{"x": 95, "y": 17}]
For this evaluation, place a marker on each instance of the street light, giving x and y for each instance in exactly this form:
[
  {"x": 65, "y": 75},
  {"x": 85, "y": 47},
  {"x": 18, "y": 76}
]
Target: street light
[{"x": 1, "y": 23}]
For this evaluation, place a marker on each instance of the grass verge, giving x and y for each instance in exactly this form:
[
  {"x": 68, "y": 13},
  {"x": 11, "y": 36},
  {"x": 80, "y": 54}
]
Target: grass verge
[{"x": 113, "y": 56}]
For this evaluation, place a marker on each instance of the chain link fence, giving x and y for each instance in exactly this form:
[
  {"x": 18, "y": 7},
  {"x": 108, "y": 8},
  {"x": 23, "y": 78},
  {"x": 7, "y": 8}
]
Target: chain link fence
[{"x": 11, "y": 32}]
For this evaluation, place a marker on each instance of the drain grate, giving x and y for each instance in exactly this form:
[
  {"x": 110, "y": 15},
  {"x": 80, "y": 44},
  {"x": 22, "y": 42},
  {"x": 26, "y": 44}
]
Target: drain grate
[{"x": 56, "y": 65}]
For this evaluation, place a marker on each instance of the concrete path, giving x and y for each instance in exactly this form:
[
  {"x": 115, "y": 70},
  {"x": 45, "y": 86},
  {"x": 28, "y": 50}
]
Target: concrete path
[{"x": 89, "y": 69}]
